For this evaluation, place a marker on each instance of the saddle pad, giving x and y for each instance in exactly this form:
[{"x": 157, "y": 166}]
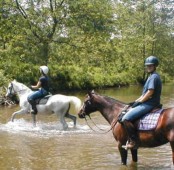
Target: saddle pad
[
  {"x": 150, "y": 120},
  {"x": 43, "y": 100}
]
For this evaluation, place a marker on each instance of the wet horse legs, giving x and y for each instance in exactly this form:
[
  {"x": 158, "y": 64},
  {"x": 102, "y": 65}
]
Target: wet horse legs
[
  {"x": 172, "y": 146},
  {"x": 170, "y": 137},
  {"x": 22, "y": 111},
  {"x": 134, "y": 153},
  {"x": 72, "y": 118},
  {"x": 123, "y": 154}
]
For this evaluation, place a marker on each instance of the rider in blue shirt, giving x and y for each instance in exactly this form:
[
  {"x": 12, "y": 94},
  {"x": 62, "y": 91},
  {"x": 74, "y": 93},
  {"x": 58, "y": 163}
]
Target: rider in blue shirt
[
  {"x": 149, "y": 99},
  {"x": 43, "y": 87}
]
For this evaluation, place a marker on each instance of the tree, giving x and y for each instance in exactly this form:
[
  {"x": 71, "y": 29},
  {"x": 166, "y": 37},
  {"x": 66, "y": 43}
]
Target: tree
[{"x": 85, "y": 43}]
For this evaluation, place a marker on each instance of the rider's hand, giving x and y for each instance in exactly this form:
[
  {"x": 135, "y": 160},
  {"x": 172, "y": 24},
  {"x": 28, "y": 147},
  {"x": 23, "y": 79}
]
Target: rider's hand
[
  {"x": 136, "y": 104},
  {"x": 131, "y": 103}
]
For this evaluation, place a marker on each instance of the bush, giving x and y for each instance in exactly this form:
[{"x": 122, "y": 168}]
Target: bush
[
  {"x": 75, "y": 77},
  {"x": 4, "y": 80}
]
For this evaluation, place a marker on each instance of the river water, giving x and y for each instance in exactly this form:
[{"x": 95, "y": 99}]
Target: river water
[{"x": 47, "y": 147}]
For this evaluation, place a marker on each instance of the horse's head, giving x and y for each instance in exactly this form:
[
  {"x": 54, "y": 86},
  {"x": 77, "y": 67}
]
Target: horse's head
[
  {"x": 15, "y": 88},
  {"x": 89, "y": 105},
  {"x": 10, "y": 90}
]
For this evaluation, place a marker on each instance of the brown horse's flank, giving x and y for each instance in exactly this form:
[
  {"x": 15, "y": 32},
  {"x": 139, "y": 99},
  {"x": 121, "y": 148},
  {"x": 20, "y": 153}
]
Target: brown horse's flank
[{"x": 110, "y": 109}]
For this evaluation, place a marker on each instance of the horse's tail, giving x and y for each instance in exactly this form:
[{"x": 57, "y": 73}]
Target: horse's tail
[{"x": 76, "y": 101}]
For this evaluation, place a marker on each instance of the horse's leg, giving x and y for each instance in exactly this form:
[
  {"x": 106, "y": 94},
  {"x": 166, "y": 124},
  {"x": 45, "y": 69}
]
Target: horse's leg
[
  {"x": 170, "y": 138},
  {"x": 172, "y": 146},
  {"x": 22, "y": 111},
  {"x": 63, "y": 122},
  {"x": 72, "y": 117},
  {"x": 34, "y": 119},
  {"x": 123, "y": 154},
  {"x": 134, "y": 153}
]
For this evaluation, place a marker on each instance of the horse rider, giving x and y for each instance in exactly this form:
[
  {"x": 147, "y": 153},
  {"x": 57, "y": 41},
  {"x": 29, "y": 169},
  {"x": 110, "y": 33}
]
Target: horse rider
[
  {"x": 42, "y": 86},
  {"x": 149, "y": 99}
]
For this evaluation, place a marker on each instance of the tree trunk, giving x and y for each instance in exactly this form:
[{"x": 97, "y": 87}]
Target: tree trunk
[
  {"x": 144, "y": 45},
  {"x": 45, "y": 53}
]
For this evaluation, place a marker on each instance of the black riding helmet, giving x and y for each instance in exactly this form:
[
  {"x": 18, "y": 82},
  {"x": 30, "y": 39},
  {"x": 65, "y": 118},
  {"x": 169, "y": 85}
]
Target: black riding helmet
[{"x": 151, "y": 60}]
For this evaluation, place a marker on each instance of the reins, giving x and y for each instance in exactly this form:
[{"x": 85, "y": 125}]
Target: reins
[
  {"x": 95, "y": 123},
  {"x": 100, "y": 128},
  {"x": 113, "y": 124}
]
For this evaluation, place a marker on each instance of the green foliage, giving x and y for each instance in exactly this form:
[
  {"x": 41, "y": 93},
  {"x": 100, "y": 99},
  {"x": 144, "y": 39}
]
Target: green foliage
[
  {"x": 75, "y": 77},
  {"x": 86, "y": 43},
  {"x": 4, "y": 80}
]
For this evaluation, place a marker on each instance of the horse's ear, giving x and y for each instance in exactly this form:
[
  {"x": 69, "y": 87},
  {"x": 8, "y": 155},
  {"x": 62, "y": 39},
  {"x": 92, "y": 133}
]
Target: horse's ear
[
  {"x": 14, "y": 80},
  {"x": 91, "y": 93}
]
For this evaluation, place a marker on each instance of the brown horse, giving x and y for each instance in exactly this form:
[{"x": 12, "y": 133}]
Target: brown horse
[{"x": 111, "y": 108}]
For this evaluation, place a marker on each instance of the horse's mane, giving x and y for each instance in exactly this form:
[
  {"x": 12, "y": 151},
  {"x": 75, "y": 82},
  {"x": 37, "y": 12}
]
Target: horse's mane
[
  {"x": 21, "y": 84},
  {"x": 114, "y": 101}
]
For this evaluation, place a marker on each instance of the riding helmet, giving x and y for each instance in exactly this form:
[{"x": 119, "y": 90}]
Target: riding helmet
[
  {"x": 151, "y": 60},
  {"x": 44, "y": 69}
]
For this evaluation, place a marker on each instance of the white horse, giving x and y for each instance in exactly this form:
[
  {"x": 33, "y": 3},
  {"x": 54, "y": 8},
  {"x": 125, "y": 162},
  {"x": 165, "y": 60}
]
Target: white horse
[{"x": 58, "y": 104}]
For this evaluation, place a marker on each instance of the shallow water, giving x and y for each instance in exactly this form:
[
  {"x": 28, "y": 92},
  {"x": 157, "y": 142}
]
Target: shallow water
[{"x": 47, "y": 147}]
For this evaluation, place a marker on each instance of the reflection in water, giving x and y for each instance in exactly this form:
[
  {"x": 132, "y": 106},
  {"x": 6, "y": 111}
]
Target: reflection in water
[{"x": 47, "y": 147}]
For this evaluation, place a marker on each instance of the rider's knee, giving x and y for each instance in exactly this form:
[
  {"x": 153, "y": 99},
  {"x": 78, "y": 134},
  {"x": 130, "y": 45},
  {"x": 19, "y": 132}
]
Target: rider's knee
[
  {"x": 30, "y": 100},
  {"x": 124, "y": 120}
]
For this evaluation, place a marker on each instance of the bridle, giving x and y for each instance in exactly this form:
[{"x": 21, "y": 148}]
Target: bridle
[
  {"x": 83, "y": 108},
  {"x": 12, "y": 88},
  {"x": 84, "y": 116}
]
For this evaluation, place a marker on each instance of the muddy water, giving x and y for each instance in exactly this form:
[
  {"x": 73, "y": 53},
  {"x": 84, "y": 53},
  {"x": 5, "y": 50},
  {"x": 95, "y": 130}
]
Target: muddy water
[{"x": 47, "y": 147}]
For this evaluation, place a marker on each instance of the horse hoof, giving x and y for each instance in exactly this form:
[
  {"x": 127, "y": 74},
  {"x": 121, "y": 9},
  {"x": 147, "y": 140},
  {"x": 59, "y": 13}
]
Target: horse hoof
[{"x": 65, "y": 128}]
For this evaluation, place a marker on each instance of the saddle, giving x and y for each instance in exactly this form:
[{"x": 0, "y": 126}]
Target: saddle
[
  {"x": 42, "y": 101},
  {"x": 148, "y": 121}
]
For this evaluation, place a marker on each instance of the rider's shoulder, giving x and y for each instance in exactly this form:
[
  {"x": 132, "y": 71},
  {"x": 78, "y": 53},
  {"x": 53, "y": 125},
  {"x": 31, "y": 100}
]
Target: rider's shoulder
[
  {"x": 43, "y": 78},
  {"x": 155, "y": 75}
]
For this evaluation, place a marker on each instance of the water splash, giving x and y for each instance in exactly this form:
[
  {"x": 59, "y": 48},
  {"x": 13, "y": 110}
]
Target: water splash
[{"x": 50, "y": 129}]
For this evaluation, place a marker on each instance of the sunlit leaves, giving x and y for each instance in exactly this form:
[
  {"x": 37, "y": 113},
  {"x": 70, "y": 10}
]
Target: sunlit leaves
[{"x": 86, "y": 43}]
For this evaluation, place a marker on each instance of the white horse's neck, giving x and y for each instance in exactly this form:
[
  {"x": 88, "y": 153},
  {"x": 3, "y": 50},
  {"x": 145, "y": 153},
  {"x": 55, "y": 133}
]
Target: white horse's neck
[{"x": 21, "y": 89}]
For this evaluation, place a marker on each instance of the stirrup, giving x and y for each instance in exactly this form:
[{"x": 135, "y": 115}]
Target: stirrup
[
  {"x": 34, "y": 112},
  {"x": 129, "y": 146}
]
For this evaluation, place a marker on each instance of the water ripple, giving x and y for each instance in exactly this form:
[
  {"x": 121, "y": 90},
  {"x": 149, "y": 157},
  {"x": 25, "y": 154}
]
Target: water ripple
[{"x": 42, "y": 129}]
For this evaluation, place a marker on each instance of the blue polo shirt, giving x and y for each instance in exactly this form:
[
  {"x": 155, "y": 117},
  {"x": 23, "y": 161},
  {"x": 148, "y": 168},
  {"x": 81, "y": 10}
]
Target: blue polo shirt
[
  {"x": 153, "y": 82},
  {"x": 44, "y": 82}
]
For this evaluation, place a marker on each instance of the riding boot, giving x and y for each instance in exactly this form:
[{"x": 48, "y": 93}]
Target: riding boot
[
  {"x": 131, "y": 132},
  {"x": 33, "y": 105}
]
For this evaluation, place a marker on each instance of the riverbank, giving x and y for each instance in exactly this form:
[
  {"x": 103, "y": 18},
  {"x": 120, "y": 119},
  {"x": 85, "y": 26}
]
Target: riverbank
[
  {"x": 6, "y": 101},
  {"x": 76, "y": 78}
]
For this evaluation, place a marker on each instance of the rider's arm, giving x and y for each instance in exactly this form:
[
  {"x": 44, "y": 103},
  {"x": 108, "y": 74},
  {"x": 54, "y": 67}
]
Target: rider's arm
[
  {"x": 139, "y": 98},
  {"x": 146, "y": 96},
  {"x": 37, "y": 86}
]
